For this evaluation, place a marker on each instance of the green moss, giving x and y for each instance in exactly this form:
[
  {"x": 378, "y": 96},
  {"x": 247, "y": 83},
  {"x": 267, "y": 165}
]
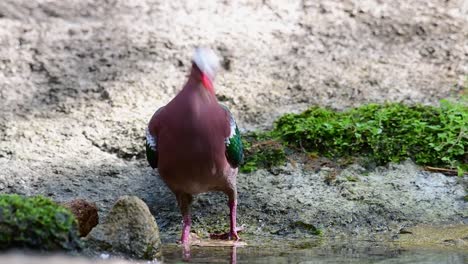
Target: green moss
[
  {"x": 37, "y": 223},
  {"x": 462, "y": 169},
  {"x": 219, "y": 226},
  {"x": 351, "y": 178},
  {"x": 379, "y": 133},
  {"x": 262, "y": 151},
  {"x": 151, "y": 252},
  {"x": 385, "y": 133}
]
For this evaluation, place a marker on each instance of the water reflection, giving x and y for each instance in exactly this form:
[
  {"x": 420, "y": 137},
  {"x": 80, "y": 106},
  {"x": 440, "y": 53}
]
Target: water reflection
[
  {"x": 187, "y": 253},
  {"x": 286, "y": 253}
]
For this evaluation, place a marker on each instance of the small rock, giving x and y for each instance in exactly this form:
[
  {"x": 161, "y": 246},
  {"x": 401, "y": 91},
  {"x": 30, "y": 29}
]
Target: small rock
[
  {"x": 455, "y": 242},
  {"x": 130, "y": 229},
  {"x": 86, "y": 213},
  {"x": 405, "y": 231}
]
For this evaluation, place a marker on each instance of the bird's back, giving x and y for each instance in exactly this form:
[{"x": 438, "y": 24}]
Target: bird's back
[{"x": 191, "y": 130}]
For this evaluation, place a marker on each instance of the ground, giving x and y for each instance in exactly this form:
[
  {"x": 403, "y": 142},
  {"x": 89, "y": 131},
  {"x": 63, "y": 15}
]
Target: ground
[{"x": 80, "y": 79}]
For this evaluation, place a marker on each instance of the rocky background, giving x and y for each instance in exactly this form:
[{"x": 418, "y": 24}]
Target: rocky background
[{"x": 79, "y": 80}]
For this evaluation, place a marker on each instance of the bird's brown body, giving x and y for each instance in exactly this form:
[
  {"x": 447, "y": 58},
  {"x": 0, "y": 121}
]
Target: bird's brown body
[{"x": 191, "y": 132}]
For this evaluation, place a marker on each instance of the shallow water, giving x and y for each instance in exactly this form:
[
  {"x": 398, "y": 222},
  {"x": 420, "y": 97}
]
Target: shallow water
[{"x": 332, "y": 254}]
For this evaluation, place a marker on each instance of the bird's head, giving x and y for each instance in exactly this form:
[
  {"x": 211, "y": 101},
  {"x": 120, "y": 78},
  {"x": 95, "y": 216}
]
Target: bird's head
[{"x": 207, "y": 63}]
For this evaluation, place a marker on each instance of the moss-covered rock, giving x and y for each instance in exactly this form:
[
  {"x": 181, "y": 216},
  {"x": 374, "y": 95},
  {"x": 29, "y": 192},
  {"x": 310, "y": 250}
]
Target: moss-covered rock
[{"x": 36, "y": 223}]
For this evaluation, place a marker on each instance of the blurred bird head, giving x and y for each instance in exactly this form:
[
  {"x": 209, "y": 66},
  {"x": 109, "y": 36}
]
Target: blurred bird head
[{"x": 207, "y": 62}]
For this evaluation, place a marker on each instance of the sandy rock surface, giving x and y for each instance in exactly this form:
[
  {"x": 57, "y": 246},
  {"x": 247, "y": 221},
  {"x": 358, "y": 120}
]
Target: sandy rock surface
[{"x": 79, "y": 79}]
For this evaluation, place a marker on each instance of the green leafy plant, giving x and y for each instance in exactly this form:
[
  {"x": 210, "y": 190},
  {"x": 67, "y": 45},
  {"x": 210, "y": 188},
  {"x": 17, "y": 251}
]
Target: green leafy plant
[
  {"x": 37, "y": 223},
  {"x": 385, "y": 133}
]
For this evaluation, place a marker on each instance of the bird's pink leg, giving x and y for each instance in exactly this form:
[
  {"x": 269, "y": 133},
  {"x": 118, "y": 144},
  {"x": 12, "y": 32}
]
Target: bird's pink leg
[
  {"x": 186, "y": 254},
  {"x": 233, "y": 217},
  {"x": 184, "y": 239},
  {"x": 184, "y": 201},
  {"x": 232, "y": 234}
]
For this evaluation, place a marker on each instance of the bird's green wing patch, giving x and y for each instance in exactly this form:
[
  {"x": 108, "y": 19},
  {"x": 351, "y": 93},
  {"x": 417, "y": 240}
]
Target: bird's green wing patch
[{"x": 234, "y": 146}]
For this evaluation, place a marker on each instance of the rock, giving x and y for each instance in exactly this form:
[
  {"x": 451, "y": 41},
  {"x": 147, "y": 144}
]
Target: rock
[
  {"x": 130, "y": 229},
  {"x": 85, "y": 212}
]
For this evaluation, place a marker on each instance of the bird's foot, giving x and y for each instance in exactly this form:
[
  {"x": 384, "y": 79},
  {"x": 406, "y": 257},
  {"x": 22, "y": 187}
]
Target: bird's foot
[
  {"x": 232, "y": 235},
  {"x": 183, "y": 242},
  {"x": 185, "y": 239}
]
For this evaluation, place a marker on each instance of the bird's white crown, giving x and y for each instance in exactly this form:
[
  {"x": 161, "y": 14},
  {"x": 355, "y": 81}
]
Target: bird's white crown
[{"x": 207, "y": 61}]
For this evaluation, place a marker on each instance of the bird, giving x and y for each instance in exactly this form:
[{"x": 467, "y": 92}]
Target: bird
[{"x": 195, "y": 144}]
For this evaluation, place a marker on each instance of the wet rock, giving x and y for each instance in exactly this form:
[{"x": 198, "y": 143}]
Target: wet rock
[
  {"x": 130, "y": 229},
  {"x": 86, "y": 213}
]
